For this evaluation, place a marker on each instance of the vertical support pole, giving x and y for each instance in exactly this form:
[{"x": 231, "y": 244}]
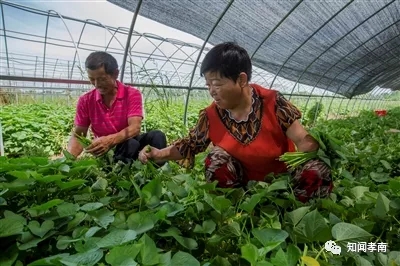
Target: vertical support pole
[
  {"x": 198, "y": 58},
  {"x": 5, "y": 40},
  {"x": 128, "y": 42},
  {"x": 1, "y": 141}
]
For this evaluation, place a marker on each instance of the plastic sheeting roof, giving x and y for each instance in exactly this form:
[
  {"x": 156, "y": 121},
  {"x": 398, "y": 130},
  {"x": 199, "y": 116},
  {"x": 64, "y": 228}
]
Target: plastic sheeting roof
[{"x": 347, "y": 47}]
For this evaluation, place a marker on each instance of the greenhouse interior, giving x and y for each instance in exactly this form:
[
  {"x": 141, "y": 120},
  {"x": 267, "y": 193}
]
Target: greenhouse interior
[{"x": 336, "y": 64}]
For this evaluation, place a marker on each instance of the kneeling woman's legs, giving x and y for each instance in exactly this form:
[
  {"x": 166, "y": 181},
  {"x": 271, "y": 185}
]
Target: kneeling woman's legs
[{"x": 221, "y": 166}]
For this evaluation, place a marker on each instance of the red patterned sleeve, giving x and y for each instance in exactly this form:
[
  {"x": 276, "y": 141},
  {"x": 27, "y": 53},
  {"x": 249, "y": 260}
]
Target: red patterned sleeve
[
  {"x": 286, "y": 112},
  {"x": 197, "y": 141}
]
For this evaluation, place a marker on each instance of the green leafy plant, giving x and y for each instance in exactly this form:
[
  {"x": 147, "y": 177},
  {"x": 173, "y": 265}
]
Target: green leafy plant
[{"x": 73, "y": 212}]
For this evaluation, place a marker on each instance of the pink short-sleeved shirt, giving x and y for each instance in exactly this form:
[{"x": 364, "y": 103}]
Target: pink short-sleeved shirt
[{"x": 91, "y": 111}]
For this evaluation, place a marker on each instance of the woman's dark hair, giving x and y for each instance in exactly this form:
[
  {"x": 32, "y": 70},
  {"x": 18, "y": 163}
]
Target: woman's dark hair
[
  {"x": 98, "y": 59},
  {"x": 229, "y": 59}
]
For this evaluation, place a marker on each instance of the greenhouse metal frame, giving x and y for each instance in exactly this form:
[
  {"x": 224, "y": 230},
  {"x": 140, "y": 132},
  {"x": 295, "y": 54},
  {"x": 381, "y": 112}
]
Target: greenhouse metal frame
[{"x": 146, "y": 64}]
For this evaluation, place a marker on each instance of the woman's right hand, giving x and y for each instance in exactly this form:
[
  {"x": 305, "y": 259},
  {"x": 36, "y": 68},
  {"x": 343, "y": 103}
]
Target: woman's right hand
[{"x": 149, "y": 153}]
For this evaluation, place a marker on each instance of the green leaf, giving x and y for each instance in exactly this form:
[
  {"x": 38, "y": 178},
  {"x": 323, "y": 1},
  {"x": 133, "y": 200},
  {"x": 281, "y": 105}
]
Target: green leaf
[
  {"x": 294, "y": 217},
  {"x": 188, "y": 243},
  {"x": 20, "y": 174},
  {"x": 67, "y": 209},
  {"x": 91, "y": 206},
  {"x": 270, "y": 238},
  {"x": 40, "y": 209},
  {"x": 364, "y": 224},
  {"x": 382, "y": 206},
  {"x": 49, "y": 261},
  {"x": 50, "y": 178},
  {"x": 64, "y": 241},
  {"x": 16, "y": 217},
  {"x": 64, "y": 168},
  {"x": 141, "y": 222},
  {"x": 349, "y": 233},
  {"x": 264, "y": 263},
  {"x": 8, "y": 257},
  {"x": 221, "y": 204},
  {"x": 249, "y": 253},
  {"x": 79, "y": 217},
  {"x": 103, "y": 217},
  {"x": 379, "y": 177},
  {"x": 92, "y": 231},
  {"x": 153, "y": 188},
  {"x": 250, "y": 203},
  {"x": 123, "y": 255},
  {"x": 386, "y": 164},
  {"x": 71, "y": 184},
  {"x": 394, "y": 185},
  {"x": 208, "y": 227},
  {"x": 179, "y": 191},
  {"x": 148, "y": 252},
  {"x": 100, "y": 184},
  {"x": 280, "y": 259},
  {"x": 278, "y": 185},
  {"x": 11, "y": 226},
  {"x": 184, "y": 259},
  {"x": 358, "y": 191},
  {"x": 293, "y": 255},
  {"x": 89, "y": 258},
  {"x": 314, "y": 227},
  {"x": 117, "y": 237},
  {"x": 165, "y": 259},
  {"x": 220, "y": 261},
  {"x": 40, "y": 230}
]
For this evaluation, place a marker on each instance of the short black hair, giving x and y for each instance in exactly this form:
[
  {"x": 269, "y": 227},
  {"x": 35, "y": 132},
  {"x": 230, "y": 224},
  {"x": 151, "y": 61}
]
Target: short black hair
[
  {"x": 101, "y": 59},
  {"x": 229, "y": 59}
]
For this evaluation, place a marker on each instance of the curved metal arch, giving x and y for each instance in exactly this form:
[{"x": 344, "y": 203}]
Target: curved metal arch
[
  {"x": 69, "y": 32},
  {"x": 341, "y": 38},
  {"x": 81, "y": 34},
  {"x": 359, "y": 99},
  {"x": 113, "y": 36},
  {"x": 366, "y": 98},
  {"x": 128, "y": 41},
  {"x": 371, "y": 96},
  {"x": 198, "y": 57},
  {"x": 379, "y": 90},
  {"x": 276, "y": 26},
  {"x": 383, "y": 103},
  {"x": 183, "y": 62},
  {"x": 309, "y": 37},
  {"x": 375, "y": 103},
  {"x": 167, "y": 58},
  {"x": 381, "y": 63},
  {"x": 260, "y": 76},
  {"x": 109, "y": 42},
  {"x": 356, "y": 48}
]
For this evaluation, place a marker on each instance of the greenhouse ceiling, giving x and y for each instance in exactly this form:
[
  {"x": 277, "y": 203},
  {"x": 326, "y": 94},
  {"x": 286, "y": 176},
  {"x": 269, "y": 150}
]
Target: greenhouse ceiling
[{"x": 346, "y": 47}]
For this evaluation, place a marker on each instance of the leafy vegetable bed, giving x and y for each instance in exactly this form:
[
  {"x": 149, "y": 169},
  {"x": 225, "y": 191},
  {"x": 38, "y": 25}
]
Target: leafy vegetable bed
[{"x": 82, "y": 213}]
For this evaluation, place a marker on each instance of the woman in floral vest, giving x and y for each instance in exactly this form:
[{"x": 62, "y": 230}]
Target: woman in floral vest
[{"x": 249, "y": 127}]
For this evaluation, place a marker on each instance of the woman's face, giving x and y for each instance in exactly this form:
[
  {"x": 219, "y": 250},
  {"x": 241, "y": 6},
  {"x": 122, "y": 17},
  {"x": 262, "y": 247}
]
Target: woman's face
[{"x": 227, "y": 94}]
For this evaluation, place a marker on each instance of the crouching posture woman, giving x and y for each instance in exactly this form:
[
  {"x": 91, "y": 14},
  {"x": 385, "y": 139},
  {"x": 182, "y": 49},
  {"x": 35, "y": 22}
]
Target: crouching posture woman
[{"x": 249, "y": 127}]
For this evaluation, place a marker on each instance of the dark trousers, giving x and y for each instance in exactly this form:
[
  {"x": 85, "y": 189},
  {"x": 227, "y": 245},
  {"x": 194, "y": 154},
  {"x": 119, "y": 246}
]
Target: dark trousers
[{"x": 128, "y": 151}]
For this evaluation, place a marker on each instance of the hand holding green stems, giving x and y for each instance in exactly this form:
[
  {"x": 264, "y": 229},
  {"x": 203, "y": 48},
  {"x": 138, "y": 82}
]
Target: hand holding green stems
[{"x": 85, "y": 142}]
